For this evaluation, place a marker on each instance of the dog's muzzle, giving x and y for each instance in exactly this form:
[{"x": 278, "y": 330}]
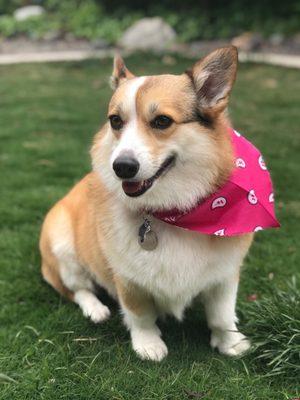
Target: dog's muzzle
[{"x": 137, "y": 188}]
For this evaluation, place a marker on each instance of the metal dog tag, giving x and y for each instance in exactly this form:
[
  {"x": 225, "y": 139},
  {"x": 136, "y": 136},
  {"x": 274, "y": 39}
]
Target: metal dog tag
[{"x": 147, "y": 237}]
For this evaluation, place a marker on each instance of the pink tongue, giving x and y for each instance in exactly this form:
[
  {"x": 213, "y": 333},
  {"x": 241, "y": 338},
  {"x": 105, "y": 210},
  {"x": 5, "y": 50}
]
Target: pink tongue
[{"x": 131, "y": 187}]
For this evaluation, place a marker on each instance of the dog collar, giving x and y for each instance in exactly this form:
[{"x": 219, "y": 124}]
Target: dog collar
[{"x": 244, "y": 204}]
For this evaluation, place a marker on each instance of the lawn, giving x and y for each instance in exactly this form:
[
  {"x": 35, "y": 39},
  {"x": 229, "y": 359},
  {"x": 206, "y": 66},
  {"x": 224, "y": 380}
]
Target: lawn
[{"x": 48, "y": 350}]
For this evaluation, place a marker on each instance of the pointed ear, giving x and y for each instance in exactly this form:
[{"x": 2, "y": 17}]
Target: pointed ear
[
  {"x": 120, "y": 72},
  {"x": 213, "y": 78}
]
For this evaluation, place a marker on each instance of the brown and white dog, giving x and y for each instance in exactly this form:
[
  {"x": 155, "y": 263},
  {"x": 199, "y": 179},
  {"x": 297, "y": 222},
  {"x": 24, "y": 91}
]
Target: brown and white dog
[{"x": 165, "y": 145}]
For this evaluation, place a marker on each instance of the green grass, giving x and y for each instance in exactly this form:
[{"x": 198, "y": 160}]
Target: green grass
[
  {"x": 277, "y": 350},
  {"x": 48, "y": 116}
]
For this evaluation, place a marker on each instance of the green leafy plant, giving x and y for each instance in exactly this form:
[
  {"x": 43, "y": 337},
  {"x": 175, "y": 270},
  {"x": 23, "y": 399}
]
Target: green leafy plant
[
  {"x": 81, "y": 19},
  {"x": 34, "y": 27},
  {"x": 7, "y": 25}
]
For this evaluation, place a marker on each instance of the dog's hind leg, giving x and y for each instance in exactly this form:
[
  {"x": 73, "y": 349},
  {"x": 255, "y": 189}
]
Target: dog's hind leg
[
  {"x": 51, "y": 275},
  {"x": 76, "y": 279},
  {"x": 71, "y": 281},
  {"x": 62, "y": 270}
]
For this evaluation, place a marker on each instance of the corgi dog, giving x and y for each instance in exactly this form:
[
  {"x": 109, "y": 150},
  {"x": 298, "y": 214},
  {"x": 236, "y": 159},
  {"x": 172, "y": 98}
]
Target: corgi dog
[{"x": 164, "y": 146}]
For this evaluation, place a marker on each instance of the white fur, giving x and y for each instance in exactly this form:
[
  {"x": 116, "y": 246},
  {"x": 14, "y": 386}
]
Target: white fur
[
  {"x": 130, "y": 138},
  {"x": 77, "y": 279},
  {"x": 145, "y": 335},
  {"x": 220, "y": 308},
  {"x": 91, "y": 306}
]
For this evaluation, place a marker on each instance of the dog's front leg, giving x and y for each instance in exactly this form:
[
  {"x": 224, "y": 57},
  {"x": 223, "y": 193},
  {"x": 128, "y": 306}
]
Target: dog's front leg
[
  {"x": 220, "y": 312},
  {"x": 140, "y": 318}
]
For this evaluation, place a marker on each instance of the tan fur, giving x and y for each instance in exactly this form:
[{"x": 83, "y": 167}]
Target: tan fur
[
  {"x": 51, "y": 274},
  {"x": 78, "y": 215},
  {"x": 133, "y": 297}
]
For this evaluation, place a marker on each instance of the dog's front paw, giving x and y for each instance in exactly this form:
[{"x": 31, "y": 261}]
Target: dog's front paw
[
  {"x": 148, "y": 345},
  {"x": 96, "y": 311},
  {"x": 231, "y": 343},
  {"x": 91, "y": 306}
]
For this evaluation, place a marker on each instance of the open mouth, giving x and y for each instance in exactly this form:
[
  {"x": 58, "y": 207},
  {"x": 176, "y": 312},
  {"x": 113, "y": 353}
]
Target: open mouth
[{"x": 137, "y": 188}]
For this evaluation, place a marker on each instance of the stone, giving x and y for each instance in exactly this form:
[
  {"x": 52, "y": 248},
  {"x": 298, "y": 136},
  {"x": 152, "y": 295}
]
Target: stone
[
  {"x": 247, "y": 41},
  {"x": 148, "y": 34},
  {"x": 23, "y": 13}
]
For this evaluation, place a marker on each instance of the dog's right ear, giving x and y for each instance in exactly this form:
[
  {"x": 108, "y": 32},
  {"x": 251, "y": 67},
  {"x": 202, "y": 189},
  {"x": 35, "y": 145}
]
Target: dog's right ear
[{"x": 120, "y": 72}]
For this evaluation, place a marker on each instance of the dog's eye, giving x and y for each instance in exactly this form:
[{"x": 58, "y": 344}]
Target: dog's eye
[
  {"x": 161, "y": 122},
  {"x": 116, "y": 122}
]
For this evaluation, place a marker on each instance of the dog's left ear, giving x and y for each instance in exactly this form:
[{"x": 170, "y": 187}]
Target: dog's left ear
[
  {"x": 213, "y": 78},
  {"x": 120, "y": 72}
]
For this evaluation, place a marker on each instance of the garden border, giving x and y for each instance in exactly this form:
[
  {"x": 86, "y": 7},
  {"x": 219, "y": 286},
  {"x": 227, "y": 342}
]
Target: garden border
[{"x": 284, "y": 60}]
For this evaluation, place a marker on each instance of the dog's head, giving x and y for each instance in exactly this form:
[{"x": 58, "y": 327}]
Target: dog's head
[{"x": 166, "y": 143}]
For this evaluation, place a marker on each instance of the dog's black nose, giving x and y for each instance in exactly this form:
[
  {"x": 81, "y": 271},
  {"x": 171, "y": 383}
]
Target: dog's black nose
[{"x": 126, "y": 167}]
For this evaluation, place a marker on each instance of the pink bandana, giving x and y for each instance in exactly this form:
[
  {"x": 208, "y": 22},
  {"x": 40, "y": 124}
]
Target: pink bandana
[{"x": 244, "y": 204}]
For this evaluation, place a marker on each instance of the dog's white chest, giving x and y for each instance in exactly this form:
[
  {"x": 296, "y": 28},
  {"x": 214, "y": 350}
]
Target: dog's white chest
[{"x": 182, "y": 265}]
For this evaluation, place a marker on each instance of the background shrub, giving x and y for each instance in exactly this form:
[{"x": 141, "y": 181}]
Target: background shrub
[{"x": 192, "y": 20}]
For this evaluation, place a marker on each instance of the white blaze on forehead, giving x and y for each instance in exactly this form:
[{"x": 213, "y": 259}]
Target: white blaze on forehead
[
  {"x": 130, "y": 100},
  {"x": 130, "y": 139}
]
